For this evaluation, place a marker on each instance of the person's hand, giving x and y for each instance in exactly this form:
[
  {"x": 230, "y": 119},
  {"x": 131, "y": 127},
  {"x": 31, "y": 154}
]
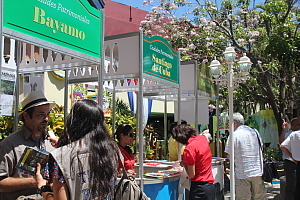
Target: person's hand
[
  {"x": 130, "y": 171},
  {"x": 285, "y": 125},
  {"x": 120, "y": 172},
  {"x": 182, "y": 164},
  {"x": 53, "y": 141},
  {"x": 176, "y": 164},
  {"x": 38, "y": 177}
]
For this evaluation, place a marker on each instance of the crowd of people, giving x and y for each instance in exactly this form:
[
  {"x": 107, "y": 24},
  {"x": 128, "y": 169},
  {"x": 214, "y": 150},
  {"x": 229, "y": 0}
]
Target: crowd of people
[
  {"x": 85, "y": 160},
  {"x": 83, "y": 163}
]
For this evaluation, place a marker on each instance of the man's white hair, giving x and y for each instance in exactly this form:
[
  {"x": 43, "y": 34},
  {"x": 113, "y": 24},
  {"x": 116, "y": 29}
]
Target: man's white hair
[{"x": 238, "y": 117}]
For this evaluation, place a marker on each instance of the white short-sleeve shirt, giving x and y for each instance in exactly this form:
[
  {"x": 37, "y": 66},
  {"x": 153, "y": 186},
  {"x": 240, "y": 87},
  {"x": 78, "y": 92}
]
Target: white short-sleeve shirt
[
  {"x": 292, "y": 143},
  {"x": 286, "y": 135},
  {"x": 247, "y": 152}
]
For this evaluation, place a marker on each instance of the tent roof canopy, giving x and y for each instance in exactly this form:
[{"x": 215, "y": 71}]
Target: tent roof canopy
[{"x": 122, "y": 68}]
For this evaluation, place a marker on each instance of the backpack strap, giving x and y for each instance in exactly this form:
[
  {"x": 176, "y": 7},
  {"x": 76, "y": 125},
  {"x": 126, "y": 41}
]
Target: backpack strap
[{"x": 121, "y": 157}]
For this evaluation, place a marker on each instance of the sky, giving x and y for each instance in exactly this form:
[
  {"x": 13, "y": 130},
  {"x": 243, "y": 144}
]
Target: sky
[
  {"x": 134, "y": 3},
  {"x": 139, "y": 4}
]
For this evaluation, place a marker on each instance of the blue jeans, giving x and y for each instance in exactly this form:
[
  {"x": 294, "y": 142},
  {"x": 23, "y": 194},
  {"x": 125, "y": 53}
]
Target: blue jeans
[{"x": 290, "y": 177}]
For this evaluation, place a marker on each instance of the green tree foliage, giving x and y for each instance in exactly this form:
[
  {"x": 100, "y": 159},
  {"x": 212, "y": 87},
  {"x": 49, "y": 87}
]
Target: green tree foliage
[
  {"x": 123, "y": 115},
  {"x": 6, "y": 126},
  {"x": 56, "y": 119},
  {"x": 268, "y": 33}
]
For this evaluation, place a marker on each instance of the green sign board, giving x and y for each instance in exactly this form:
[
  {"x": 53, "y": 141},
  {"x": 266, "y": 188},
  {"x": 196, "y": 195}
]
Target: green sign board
[
  {"x": 160, "y": 60},
  {"x": 205, "y": 83},
  {"x": 73, "y": 24}
]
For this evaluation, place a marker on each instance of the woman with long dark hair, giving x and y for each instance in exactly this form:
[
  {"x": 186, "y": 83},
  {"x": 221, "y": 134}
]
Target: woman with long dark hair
[{"x": 85, "y": 163}]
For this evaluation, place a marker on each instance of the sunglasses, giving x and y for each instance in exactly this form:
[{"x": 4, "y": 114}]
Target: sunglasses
[{"x": 132, "y": 135}]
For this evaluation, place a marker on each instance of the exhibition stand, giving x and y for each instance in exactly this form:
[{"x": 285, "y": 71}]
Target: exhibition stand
[
  {"x": 136, "y": 63},
  {"x": 127, "y": 62}
]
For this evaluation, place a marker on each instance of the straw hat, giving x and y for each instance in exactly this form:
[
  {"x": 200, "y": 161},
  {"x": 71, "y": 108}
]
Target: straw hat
[{"x": 33, "y": 99}]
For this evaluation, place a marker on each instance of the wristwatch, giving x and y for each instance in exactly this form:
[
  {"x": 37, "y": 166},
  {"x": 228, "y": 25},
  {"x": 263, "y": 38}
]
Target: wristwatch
[{"x": 44, "y": 188}]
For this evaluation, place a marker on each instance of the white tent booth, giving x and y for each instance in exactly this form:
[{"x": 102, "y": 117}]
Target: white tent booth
[
  {"x": 150, "y": 67},
  {"x": 126, "y": 64},
  {"x": 196, "y": 88}
]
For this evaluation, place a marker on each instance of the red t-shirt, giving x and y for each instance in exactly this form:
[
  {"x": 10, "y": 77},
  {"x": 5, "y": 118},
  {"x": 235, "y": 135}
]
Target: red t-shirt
[
  {"x": 128, "y": 158},
  {"x": 197, "y": 152}
]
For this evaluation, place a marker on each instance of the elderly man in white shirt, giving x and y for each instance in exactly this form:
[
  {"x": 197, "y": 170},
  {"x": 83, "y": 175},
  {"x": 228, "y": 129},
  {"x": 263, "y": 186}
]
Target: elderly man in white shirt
[
  {"x": 248, "y": 161},
  {"x": 291, "y": 147}
]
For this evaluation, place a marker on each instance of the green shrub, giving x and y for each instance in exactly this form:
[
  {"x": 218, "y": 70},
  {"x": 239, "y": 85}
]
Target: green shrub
[{"x": 272, "y": 153}]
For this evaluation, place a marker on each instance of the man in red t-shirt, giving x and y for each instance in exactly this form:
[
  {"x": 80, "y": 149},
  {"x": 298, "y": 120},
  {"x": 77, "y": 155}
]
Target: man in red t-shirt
[{"x": 197, "y": 161}]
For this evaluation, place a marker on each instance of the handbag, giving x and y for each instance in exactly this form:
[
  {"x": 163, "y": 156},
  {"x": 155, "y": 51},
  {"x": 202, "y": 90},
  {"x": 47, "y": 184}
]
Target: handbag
[
  {"x": 269, "y": 166},
  {"x": 128, "y": 189},
  {"x": 269, "y": 170}
]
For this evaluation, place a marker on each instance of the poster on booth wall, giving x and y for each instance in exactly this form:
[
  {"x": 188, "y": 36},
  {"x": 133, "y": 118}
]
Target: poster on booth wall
[
  {"x": 8, "y": 80},
  {"x": 79, "y": 91},
  {"x": 33, "y": 82},
  {"x": 224, "y": 124},
  {"x": 106, "y": 108},
  {"x": 90, "y": 91}
]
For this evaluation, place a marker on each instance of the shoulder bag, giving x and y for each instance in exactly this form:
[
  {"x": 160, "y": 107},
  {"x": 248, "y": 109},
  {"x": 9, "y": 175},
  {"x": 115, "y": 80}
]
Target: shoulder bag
[
  {"x": 128, "y": 189},
  {"x": 269, "y": 166}
]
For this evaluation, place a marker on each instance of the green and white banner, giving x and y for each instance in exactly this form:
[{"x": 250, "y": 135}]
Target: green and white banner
[
  {"x": 160, "y": 60},
  {"x": 73, "y": 24},
  {"x": 205, "y": 83}
]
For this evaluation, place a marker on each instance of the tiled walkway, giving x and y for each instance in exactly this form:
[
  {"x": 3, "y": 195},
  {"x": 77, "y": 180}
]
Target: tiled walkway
[{"x": 273, "y": 190}]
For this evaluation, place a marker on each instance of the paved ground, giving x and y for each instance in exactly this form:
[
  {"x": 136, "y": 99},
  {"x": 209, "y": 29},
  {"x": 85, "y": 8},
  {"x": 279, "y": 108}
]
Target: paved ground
[{"x": 273, "y": 190}]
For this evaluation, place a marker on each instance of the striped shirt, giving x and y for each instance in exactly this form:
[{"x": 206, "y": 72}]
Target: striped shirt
[{"x": 247, "y": 152}]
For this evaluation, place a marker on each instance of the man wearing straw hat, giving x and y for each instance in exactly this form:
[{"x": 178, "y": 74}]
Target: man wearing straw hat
[{"x": 35, "y": 116}]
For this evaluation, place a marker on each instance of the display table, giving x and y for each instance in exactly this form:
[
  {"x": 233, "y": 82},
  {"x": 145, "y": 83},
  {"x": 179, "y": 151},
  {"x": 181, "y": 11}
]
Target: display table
[
  {"x": 154, "y": 166},
  {"x": 162, "y": 188},
  {"x": 159, "y": 186}
]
